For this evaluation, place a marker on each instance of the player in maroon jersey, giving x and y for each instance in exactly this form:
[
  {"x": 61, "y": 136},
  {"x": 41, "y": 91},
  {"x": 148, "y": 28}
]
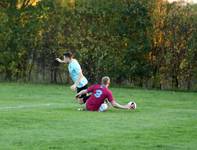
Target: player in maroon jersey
[{"x": 100, "y": 92}]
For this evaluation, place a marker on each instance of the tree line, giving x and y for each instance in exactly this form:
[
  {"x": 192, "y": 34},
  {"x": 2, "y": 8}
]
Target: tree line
[{"x": 140, "y": 43}]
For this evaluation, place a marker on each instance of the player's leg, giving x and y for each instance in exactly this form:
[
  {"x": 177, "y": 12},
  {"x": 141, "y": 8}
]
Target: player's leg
[{"x": 104, "y": 107}]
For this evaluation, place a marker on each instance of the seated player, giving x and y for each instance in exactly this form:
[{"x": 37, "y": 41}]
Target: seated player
[{"x": 100, "y": 92}]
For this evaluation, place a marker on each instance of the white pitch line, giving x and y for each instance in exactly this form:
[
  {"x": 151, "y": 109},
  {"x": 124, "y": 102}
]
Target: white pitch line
[{"x": 28, "y": 106}]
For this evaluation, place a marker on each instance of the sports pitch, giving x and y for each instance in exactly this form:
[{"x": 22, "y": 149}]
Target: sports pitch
[{"x": 42, "y": 117}]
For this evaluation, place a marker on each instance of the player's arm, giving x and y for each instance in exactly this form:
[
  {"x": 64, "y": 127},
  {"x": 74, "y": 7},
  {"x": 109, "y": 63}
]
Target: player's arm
[
  {"x": 81, "y": 93},
  {"x": 117, "y": 105},
  {"x": 89, "y": 90},
  {"x": 59, "y": 60}
]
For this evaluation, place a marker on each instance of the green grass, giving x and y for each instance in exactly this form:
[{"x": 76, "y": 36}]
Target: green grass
[{"x": 44, "y": 117}]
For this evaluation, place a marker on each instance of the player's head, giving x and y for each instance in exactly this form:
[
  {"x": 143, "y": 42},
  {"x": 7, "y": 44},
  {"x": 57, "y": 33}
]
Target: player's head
[
  {"x": 67, "y": 57},
  {"x": 105, "y": 81}
]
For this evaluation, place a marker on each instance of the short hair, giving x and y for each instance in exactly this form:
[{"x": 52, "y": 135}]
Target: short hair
[
  {"x": 105, "y": 80},
  {"x": 68, "y": 54}
]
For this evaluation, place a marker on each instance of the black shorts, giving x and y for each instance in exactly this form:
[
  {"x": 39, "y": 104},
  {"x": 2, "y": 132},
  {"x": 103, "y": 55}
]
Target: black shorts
[{"x": 84, "y": 96}]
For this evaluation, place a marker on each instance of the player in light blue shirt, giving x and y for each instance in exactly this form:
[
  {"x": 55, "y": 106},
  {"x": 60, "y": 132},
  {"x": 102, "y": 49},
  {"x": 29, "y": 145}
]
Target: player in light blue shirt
[{"x": 76, "y": 74}]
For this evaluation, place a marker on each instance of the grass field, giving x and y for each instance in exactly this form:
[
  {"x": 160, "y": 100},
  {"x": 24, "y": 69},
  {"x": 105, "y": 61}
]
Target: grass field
[{"x": 44, "y": 117}]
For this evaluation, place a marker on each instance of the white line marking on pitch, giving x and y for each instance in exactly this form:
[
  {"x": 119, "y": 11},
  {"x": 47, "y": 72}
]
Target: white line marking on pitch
[{"x": 28, "y": 106}]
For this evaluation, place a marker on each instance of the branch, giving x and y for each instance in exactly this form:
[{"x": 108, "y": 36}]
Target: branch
[{"x": 25, "y": 3}]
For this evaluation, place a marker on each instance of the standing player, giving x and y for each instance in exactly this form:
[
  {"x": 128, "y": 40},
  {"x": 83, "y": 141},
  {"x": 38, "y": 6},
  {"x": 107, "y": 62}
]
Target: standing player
[
  {"x": 75, "y": 71},
  {"x": 98, "y": 96}
]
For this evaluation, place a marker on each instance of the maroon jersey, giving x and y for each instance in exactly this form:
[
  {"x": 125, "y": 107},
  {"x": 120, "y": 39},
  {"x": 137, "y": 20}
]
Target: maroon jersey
[{"x": 99, "y": 94}]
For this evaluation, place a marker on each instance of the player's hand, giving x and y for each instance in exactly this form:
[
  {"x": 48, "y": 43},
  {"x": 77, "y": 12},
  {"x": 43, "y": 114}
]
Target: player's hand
[
  {"x": 73, "y": 87},
  {"x": 59, "y": 60},
  {"x": 128, "y": 106}
]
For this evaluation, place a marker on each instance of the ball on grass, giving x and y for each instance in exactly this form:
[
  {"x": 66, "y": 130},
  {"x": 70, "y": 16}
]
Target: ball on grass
[{"x": 133, "y": 105}]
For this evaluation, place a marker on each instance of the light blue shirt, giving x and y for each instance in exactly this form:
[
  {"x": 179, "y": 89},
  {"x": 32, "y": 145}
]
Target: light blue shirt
[{"x": 74, "y": 70}]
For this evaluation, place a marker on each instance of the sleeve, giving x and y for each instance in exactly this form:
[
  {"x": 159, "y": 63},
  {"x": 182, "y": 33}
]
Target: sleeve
[
  {"x": 90, "y": 89},
  {"x": 77, "y": 67},
  {"x": 110, "y": 97}
]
